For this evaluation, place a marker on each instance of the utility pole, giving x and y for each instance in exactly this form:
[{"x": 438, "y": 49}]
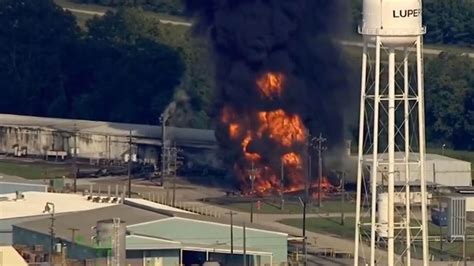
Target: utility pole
[
  {"x": 306, "y": 170},
  {"x": 231, "y": 213},
  {"x": 282, "y": 179},
  {"x": 252, "y": 176},
  {"x": 320, "y": 148},
  {"x": 74, "y": 162},
  {"x": 343, "y": 194},
  {"x": 50, "y": 208},
  {"x": 130, "y": 165},
  {"x": 173, "y": 157},
  {"x": 163, "y": 119},
  {"x": 244, "y": 244}
]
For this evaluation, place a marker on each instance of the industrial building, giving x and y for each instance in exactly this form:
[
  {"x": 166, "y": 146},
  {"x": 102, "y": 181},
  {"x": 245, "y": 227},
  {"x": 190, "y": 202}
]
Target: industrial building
[
  {"x": 439, "y": 171},
  {"x": 156, "y": 237},
  {"x": 95, "y": 141},
  {"x": 28, "y": 206}
]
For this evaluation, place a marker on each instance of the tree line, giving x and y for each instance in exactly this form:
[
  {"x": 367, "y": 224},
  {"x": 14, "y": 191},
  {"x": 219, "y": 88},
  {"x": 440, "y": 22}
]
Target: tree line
[{"x": 114, "y": 71}]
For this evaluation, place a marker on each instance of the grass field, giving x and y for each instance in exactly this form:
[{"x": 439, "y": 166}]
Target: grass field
[
  {"x": 268, "y": 207},
  {"x": 332, "y": 226},
  {"x": 34, "y": 170}
]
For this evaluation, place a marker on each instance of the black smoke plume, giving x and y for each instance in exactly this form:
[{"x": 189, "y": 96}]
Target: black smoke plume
[{"x": 295, "y": 37}]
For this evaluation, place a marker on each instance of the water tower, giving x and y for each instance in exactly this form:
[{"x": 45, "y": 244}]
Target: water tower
[{"x": 391, "y": 163}]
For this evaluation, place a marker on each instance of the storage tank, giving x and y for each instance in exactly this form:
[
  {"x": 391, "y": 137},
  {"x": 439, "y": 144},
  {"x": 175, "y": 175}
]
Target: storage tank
[
  {"x": 382, "y": 214},
  {"x": 397, "y": 22},
  {"x": 111, "y": 234}
]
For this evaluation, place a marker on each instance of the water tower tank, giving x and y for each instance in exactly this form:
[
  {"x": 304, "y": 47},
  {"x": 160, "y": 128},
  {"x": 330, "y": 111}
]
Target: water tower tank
[
  {"x": 397, "y": 22},
  {"x": 109, "y": 234}
]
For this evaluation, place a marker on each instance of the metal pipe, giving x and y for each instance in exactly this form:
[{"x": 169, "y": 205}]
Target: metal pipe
[
  {"x": 129, "y": 172},
  {"x": 406, "y": 95},
  {"x": 391, "y": 156},
  {"x": 360, "y": 154},
  {"x": 421, "y": 129},
  {"x": 375, "y": 150}
]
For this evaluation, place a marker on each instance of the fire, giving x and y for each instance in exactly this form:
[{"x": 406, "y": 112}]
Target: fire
[
  {"x": 279, "y": 132},
  {"x": 249, "y": 155},
  {"x": 291, "y": 159},
  {"x": 270, "y": 85},
  {"x": 234, "y": 130},
  {"x": 281, "y": 127}
]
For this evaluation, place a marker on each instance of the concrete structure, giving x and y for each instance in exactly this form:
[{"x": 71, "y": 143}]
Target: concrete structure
[
  {"x": 10, "y": 257},
  {"x": 31, "y": 205},
  {"x": 392, "y": 119},
  {"x": 160, "y": 238},
  {"x": 39, "y": 136},
  {"x": 440, "y": 170},
  {"x": 12, "y": 187}
]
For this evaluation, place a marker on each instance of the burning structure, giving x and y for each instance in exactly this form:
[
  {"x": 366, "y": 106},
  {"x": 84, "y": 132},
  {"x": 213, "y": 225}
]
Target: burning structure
[{"x": 278, "y": 78}]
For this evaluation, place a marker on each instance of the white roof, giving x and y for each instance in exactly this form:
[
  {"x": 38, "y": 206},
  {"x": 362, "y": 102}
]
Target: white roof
[
  {"x": 415, "y": 156},
  {"x": 34, "y": 202},
  {"x": 10, "y": 257},
  {"x": 154, "y": 205}
]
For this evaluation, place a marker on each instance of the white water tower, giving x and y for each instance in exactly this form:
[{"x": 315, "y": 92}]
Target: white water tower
[{"x": 391, "y": 134}]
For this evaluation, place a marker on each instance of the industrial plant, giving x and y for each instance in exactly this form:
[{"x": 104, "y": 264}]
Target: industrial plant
[{"x": 277, "y": 178}]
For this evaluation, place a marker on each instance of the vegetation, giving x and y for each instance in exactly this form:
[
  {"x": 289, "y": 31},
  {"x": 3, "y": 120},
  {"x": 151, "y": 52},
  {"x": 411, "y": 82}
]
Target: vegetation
[
  {"x": 116, "y": 71},
  {"x": 172, "y": 7},
  {"x": 273, "y": 207},
  {"x": 34, "y": 170},
  {"x": 333, "y": 226},
  {"x": 449, "y": 93}
]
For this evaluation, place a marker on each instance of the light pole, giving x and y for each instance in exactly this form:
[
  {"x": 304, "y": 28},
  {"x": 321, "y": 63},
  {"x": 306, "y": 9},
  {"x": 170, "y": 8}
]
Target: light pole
[
  {"x": 163, "y": 119},
  {"x": 49, "y": 208},
  {"x": 443, "y": 148},
  {"x": 252, "y": 174},
  {"x": 343, "y": 194}
]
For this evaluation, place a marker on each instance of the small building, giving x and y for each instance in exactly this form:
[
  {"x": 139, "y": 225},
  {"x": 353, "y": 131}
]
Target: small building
[
  {"x": 439, "y": 170},
  {"x": 159, "y": 237},
  {"x": 29, "y": 206}
]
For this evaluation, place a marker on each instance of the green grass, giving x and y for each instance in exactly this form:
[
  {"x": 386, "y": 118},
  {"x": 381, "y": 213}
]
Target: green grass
[
  {"x": 33, "y": 170},
  {"x": 332, "y": 226},
  {"x": 268, "y": 207}
]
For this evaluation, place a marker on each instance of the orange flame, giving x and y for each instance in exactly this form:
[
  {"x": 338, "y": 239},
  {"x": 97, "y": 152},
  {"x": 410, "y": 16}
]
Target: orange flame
[
  {"x": 271, "y": 85},
  {"x": 291, "y": 159},
  {"x": 234, "y": 130},
  {"x": 249, "y": 155},
  {"x": 285, "y": 129}
]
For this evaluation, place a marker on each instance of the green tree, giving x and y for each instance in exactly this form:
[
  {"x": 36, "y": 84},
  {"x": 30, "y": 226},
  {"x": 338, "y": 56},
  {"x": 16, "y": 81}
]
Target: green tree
[
  {"x": 33, "y": 35},
  {"x": 449, "y": 100}
]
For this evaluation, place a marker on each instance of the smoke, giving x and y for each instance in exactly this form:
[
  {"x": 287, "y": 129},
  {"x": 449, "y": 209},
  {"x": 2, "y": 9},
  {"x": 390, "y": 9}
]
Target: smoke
[{"x": 294, "y": 38}]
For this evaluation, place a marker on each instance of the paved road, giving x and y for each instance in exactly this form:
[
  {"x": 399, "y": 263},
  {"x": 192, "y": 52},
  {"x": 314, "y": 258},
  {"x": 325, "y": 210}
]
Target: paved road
[
  {"x": 96, "y": 13},
  {"x": 429, "y": 51},
  {"x": 188, "y": 24}
]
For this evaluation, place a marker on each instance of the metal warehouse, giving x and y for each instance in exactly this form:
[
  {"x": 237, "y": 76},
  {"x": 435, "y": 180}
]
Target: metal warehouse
[
  {"x": 39, "y": 136},
  {"x": 159, "y": 238},
  {"x": 440, "y": 170}
]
